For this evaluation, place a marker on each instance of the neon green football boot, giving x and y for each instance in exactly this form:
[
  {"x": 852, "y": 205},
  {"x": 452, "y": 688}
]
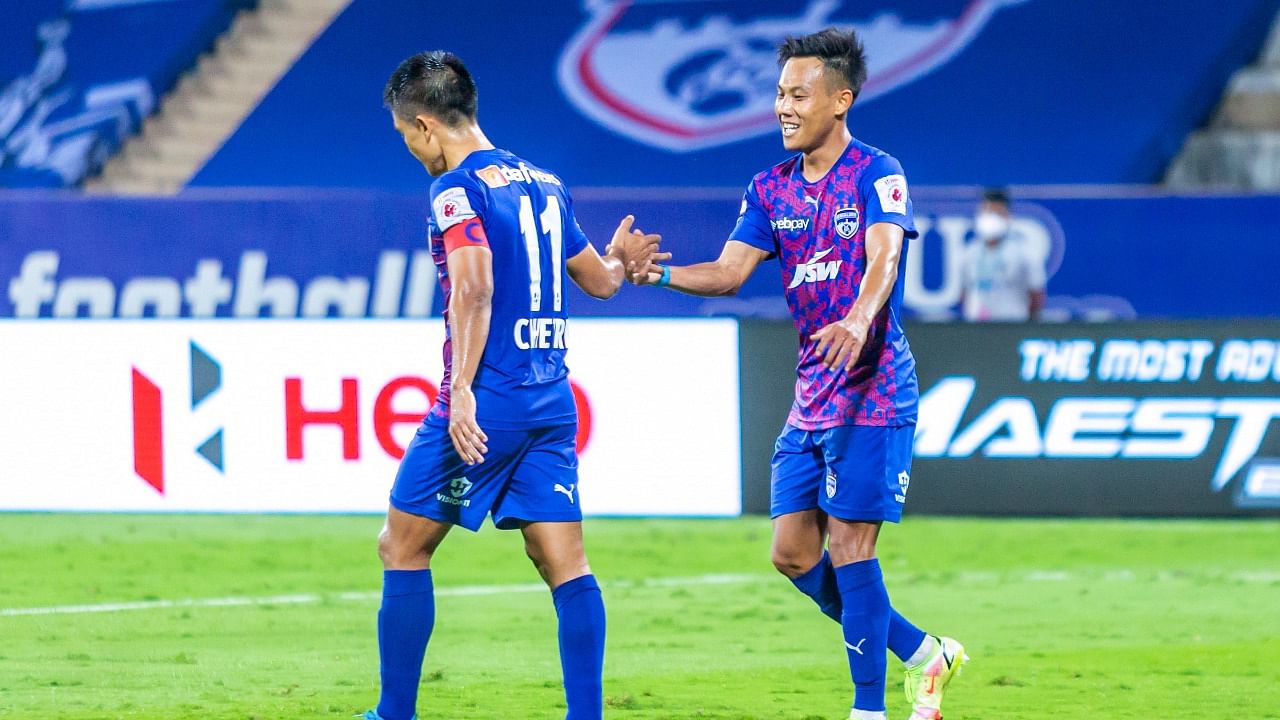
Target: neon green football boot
[{"x": 925, "y": 682}]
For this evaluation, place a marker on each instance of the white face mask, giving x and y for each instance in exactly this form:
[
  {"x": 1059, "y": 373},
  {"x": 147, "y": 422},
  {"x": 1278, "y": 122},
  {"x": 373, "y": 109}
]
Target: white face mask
[{"x": 990, "y": 225}]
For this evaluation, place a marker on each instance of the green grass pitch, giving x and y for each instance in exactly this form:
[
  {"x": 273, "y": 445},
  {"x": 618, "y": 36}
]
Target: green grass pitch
[{"x": 1064, "y": 619}]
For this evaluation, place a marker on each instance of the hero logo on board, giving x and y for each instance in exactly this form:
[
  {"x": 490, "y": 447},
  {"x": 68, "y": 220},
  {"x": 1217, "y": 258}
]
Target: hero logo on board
[
  {"x": 148, "y": 418},
  {"x": 397, "y": 401},
  {"x": 709, "y": 75}
]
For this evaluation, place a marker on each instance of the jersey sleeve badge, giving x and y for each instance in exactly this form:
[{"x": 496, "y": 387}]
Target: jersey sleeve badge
[
  {"x": 892, "y": 191},
  {"x": 451, "y": 207}
]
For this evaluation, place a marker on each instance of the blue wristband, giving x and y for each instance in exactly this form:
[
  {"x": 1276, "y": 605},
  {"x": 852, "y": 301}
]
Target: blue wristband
[{"x": 665, "y": 280}]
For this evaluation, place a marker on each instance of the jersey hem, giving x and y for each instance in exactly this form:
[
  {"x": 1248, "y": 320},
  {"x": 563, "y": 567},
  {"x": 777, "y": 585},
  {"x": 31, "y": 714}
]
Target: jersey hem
[
  {"x": 570, "y": 419},
  {"x": 817, "y": 425}
]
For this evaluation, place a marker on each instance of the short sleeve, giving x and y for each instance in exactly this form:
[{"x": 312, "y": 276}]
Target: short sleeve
[
  {"x": 575, "y": 240},
  {"x": 456, "y": 198},
  {"x": 884, "y": 190},
  {"x": 753, "y": 226}
]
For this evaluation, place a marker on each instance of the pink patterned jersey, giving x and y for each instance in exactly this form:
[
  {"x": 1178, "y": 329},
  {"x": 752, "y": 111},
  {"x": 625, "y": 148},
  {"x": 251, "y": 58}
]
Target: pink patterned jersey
[{"x": 818, "y": 233}]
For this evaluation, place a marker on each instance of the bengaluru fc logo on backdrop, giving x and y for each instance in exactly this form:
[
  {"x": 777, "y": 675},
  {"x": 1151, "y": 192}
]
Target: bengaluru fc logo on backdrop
[{"x": 685, "y": 76}]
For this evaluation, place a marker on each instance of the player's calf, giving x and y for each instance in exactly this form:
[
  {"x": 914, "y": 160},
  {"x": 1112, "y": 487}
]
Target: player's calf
[
  {"x": 797, "y": 553},
  {"x": 556, "y": 550},
  {"x": 407, "y": 614},
  {"x": 581, "y": 630},
  {"x": 819, "y": 583}
]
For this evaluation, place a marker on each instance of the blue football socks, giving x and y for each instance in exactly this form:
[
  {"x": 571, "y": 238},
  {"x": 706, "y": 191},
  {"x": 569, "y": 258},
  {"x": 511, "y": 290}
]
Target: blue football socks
[
  {"x": 580, "y": 608},
  {"x": 404, "y": 626},
  {"x": 866, "y": 630},
  {"x": 904, "y": 638},
  {"x": 819, "y": 583}
]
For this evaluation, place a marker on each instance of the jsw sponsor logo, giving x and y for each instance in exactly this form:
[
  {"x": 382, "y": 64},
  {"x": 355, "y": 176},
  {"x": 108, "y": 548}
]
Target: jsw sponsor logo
[
  {"x": 1149, "y": 428},
  {"x": 816, "y": 270}
]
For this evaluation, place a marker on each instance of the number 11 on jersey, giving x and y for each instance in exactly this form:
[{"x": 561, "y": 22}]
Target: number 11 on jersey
[{"x": 550, "y": 223}]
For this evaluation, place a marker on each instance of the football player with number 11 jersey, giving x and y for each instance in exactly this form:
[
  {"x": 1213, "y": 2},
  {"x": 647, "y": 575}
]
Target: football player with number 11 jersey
[{"x": 501, "y": 438}]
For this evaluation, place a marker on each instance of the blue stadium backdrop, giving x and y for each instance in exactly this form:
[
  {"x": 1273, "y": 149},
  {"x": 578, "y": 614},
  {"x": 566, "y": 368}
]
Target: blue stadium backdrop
[
  {"x": 959, "y": 90},
  {"x": 360, "y": 254}
]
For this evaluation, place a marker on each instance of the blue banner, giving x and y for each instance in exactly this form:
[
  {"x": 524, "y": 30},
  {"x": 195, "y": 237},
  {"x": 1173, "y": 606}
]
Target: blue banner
[
  {"x": 348, "y": 254},
  {"x": 679, "y": 93},
  {"x": 283, "y": 255}
]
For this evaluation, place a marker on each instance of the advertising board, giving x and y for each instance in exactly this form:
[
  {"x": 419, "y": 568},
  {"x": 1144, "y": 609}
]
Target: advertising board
[{"x": 313, "y": 416}]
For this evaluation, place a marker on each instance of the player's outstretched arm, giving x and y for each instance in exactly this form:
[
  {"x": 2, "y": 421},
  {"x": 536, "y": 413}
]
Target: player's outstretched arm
[
  {"x": 601, "y": 276},
  {"x": 470, "y": 307},
  {"x": 840, "y": 343},
  {"x": 724, "y": 276}
]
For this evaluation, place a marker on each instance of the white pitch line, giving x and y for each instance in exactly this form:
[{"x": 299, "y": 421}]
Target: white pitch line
[
  {"x": 1048, "y": 576},
  {"x": 161, "y": 605},
  {"x": 313, "y": 598},
  {"x": 970, "y": 577},
  {"x": 1261, "y": 576}
]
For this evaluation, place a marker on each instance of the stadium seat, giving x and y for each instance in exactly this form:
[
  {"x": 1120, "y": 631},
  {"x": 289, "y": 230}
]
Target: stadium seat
[{"x": 88, "y": 75}]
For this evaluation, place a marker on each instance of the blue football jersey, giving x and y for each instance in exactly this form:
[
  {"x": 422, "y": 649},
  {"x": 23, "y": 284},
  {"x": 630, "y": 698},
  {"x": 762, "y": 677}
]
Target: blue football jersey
[
  {"x": 528, "y": 223},
  {"x": 817, "y": 230}
]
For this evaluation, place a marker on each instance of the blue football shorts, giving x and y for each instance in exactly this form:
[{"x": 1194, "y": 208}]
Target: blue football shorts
[
  {"x": 858, "y": 473},
  {"x": 527, "y": 476}
]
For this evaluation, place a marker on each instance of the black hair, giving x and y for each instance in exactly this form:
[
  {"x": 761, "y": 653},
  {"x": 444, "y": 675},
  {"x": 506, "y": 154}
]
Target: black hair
[
  {"x": 840, "y": 51},
  {"x": 997, "y": 195},
  {"x": 435, "y": 83}
]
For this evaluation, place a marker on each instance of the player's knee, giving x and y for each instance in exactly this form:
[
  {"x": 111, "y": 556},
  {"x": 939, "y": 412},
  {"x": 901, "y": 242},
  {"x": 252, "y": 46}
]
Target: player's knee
[
  {"x": 535, "y": 555},
  {"x": 556, "y": 569},
  {"x": 397, "y": 555},
  {"x": 385, "y": 548},
  {"x": 557, "y": 574},
  {"x": 552, "y": 569},
  {"x": 845, "y": 550},
  {"x": 539, "y": 560},
  {"x": 791, "y": 561}
]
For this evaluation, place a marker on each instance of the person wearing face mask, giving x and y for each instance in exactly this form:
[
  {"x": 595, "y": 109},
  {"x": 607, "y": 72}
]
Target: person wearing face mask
[{"x": 1003, "y": 280}]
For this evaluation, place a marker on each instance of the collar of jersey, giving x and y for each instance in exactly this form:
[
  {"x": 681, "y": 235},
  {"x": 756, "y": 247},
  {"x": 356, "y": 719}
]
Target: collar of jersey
[
  {"x": 478, "y": 154},
  {"x": 798, "y": 171}
]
